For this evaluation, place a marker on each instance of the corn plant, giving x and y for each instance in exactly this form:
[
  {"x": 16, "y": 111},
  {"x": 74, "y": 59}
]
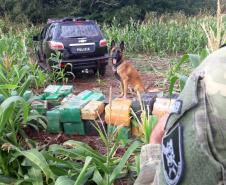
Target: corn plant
[
  {"x": 29, "y": 166},
  {"x": 167, "y": 33},
  {"x": 195, "y": 61},
  {"x": 59, "y": 72},
  {"x": 40, "y": 77},
  {"x": 14, "y": 112},
  {"x": 147, "y": 122}
]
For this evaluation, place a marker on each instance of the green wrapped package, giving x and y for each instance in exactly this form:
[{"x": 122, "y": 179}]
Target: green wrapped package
[
  {"x": 83, "y": 95},
  {"x": 66, "y": 90},
  {"x": 51, "y": 89},
  {"x": 68, "y": 98},
  {"x": 96, "y": 96},
  {"x": 54, "y": 96},
  {"x": 27, "y": 95},
  {"x": 14, "y": 93},
  {"x": 54, "y": 125},
  {"x": 54, "y": 100},
  {"x": 40, "y": 97},
  {"x": 2, "y": 98},
  {"x": 63, "y": 90},
  {"x": 41, "y": 106},
  {"x": 71, "y": 111},
  {"x": 89, "y": 95},
  {"x": 126, "y": 133},
  {"x": 75, "y": 128}
]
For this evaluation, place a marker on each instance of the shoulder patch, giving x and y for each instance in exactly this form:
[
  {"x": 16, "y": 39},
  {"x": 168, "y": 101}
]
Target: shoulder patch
[
  {"x": 172, "y": 156},
  {"x": 176, "y": 107}
]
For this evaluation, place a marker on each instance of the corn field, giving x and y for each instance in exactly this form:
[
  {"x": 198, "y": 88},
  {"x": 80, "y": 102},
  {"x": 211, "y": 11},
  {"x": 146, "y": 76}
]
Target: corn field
[{"x": 172, "y": 35}]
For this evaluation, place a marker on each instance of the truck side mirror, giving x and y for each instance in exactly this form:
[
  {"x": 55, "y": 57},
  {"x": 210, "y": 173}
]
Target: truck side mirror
[{"x": 35, "y": 38}]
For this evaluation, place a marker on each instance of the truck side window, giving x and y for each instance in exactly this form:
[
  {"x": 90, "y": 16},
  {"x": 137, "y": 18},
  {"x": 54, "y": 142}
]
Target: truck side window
[{"x": 50, "y": 32}]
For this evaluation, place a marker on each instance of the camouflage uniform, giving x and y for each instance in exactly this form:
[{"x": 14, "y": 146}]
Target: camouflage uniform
[{"x": 203, "y": 120}]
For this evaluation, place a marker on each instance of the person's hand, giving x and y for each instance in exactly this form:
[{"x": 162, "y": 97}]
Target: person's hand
[{"x": 158, "y": 131}]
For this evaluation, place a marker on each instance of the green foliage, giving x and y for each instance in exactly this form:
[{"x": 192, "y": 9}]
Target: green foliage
[
  {"x": 58, "y": 72},
  {"x": 15, "y": 52},
  {"x": 107, "y": 168},
  {"x": 40, "y": 77},
  {"x": 147, "y": 121},
  {"x": 14, "y": 113},
  {"x": 165, "y": 34},
  {"x": 102, "y": 11},
  {"x": 195, "y": 61}
]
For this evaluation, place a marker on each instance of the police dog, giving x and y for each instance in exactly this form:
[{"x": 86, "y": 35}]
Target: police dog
[{"x": 127, "y": 75}]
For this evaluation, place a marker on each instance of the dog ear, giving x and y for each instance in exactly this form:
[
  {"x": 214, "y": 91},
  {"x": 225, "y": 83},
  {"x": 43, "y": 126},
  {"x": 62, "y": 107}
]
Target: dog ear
[
  {"x": 122, "y": 45},
  {"x": 112, "y": 44}
]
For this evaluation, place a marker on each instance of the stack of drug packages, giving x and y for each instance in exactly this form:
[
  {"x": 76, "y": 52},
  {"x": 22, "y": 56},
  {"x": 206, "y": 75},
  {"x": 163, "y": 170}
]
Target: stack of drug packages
[{"x": 68, "y": 116}]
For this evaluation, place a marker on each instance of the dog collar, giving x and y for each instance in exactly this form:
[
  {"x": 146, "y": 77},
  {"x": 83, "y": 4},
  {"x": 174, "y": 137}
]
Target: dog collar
[{"x": 116, "y": 65}]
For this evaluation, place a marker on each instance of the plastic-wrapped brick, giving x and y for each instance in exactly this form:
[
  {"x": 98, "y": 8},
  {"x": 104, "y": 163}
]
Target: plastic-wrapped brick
[
  {"x": 71, "y": 111},
  {"x": 92, "y": 109}
]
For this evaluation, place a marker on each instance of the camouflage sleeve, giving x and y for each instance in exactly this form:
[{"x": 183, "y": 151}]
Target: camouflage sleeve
[{"x": 149, "y": 161}]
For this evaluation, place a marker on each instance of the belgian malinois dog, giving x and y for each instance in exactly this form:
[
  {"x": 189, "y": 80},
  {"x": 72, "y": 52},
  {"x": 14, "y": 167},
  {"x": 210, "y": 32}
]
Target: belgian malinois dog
[{"x": 127, "y": 75}]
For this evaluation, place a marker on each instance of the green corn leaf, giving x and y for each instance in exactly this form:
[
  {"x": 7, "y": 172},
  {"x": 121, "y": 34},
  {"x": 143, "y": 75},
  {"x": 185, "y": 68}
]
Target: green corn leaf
[
  {"x": 195, "y": 60},
  {"x": 27, "y": 181},
  {"x": 86, "y": 177},
  {"x": 79, "y": 154},
  {"x": 7, "y": 180},
  {"x": 4, "y": 89},
  {"x": 58, "y": 171},
  {"x": 8, "y": 86},
  {"x": 134, "y": 122},
  {"x": 3, "y": 78},
  {"x": 125, "y": 157},
  {"x": 6, "y": 109},
  {"x": 62, "y": 180},
  {"x": 101, "y": 135},
  {"x": 84, "y": 147},
  {"x": 25, "y": 85},
  {"x": 35, "y": 174},
  {"x": 97, "y": 178},
  {"x": 72, "y": 153},
  {"x": 116, "y": 142},
  {"x": 14, "y": 71},
  {"x": 20, "y": 74},
  {"x": 47, "y": 156},
  {"x": 204, "y": 54},
  {"x": 184, "y": 58},
  {"x": 5, "y": 93},
  {"x": 37, "y": 158},
  {"x": 84, "y": 169},
  {"x": 183, "y": 80},
  {"x": 152, "y": 122},
  {"x": 172, "y": 82},
  {"x": 137, "y": 159}
]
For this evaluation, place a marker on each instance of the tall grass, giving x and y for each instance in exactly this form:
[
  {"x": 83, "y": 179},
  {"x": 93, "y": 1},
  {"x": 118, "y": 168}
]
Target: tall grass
[{"x": 167, "y": 33}]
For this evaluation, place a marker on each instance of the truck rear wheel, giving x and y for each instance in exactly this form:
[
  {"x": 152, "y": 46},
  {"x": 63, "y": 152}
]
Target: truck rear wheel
[{"x": 102, "y": 70}]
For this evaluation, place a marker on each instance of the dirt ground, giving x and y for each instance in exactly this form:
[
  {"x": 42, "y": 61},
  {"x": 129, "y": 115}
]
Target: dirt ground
[
  {"x": 90, "y": 82},
  {"x": 146, "y": 65}
]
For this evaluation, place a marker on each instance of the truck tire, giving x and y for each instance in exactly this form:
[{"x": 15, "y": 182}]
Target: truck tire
[{"x": 102, "y": 70}]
